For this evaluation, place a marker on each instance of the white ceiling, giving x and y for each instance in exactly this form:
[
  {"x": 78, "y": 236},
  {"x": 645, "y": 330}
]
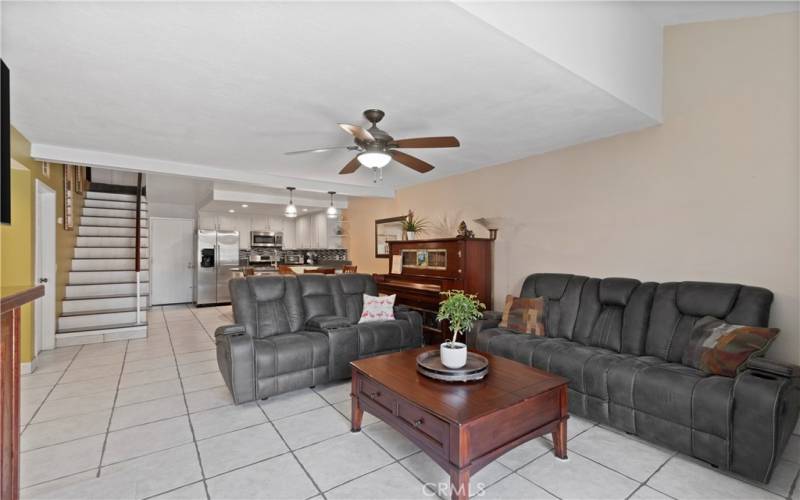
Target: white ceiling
[
  {"x": 270, "y": 209},
  {"x": 220, "y": 90},
  {"x": 668, "y": 13}
]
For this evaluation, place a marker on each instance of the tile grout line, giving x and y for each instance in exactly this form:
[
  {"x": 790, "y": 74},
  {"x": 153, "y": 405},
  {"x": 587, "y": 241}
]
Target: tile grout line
[
  {"x": 644, "y": 483},
  {"x": 111, "y": 415},
  {"x": 38, "y": 408},
  {"x": 275, "y": 428},
  {"x": 186, "y": 404}
]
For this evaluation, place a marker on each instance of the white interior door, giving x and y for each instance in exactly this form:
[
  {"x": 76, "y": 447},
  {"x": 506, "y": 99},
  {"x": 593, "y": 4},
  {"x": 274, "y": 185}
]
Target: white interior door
[
  {"x": 171, "y": 260},
  {"x": 45, "y": 263}
]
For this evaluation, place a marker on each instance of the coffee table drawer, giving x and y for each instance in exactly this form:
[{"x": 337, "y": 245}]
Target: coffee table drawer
[
  {"x": 378, "y": 394},
  {"x": 424, "y": 422}
]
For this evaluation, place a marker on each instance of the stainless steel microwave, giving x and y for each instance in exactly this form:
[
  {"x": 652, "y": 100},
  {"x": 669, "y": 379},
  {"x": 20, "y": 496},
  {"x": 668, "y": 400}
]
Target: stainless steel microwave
[{"x": 269, "y": 239}]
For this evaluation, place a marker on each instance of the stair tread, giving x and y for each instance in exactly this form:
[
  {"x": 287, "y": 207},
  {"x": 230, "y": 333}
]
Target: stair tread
[
  {"x": 106, "y": 270},
  {"x": 102, "y": 327},
  {"x": 97, "y": 312},
  {"x": 110, "y": 296},
  {"x": 113, "y": 283}
]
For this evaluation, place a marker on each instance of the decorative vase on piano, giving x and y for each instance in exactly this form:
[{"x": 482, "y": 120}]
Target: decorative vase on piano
[{"x": 461, "y": 310}]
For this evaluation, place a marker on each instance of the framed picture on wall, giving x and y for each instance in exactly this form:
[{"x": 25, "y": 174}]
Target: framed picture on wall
[
  {"x": 78, "y": 179},
  {"x": 68, "y": 196}
]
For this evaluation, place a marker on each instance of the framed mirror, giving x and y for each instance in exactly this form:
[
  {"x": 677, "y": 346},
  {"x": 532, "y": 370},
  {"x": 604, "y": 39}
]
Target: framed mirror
[{"x": 386, "y": 230}]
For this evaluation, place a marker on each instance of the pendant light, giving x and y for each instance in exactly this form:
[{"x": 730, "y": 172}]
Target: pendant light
[
  {"x": 291, "y": 210},
  {"x": 332, "y": 212}
]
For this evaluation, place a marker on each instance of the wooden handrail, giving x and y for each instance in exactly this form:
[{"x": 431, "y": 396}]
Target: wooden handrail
[{"x": 138, "y": 220}]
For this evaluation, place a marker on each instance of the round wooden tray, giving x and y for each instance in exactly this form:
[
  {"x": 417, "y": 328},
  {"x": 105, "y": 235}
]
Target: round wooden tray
[{"x": 429, "y": 363}]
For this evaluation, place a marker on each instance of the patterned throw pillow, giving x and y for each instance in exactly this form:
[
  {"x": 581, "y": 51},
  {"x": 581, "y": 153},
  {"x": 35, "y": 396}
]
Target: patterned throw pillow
[
  {"x": 377, "y": 308},
  {"x": 719, "y": 348},
  {"x": 524, "y": 315}
]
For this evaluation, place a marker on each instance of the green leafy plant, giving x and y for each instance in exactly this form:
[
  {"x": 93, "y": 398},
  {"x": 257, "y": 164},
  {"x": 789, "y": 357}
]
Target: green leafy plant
[
  {"x": 461, "y": 310},
  {"x": 414, "y": 224}
]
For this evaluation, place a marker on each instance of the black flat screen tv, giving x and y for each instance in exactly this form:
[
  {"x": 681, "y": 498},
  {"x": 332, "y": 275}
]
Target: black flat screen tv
[{"x": 5, "y": 147}]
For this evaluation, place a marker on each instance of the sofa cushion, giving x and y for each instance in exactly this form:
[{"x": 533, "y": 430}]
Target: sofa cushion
[
  {"x": 267, "y": 305},
  {"x": 571, "y": 361},
  {"x": 315, "y": 289},
  {"x": 289, "y": 352},
  {"x": 524, "y": 315},
  {"x": 720, "y": 348},
  {"x": 666, "y": 391},
  {"x": 614, "y": 314},
  {"x": 562, "y": 292},
  {"x": 678, "y": 306},
  {"x": 349, "y": 290},
  {"x": 384, "y": 336}
]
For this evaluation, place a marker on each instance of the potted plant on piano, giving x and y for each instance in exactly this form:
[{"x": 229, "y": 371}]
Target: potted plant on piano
[
  {"x": 461, "y": 310},
  {"x": 413, "y": 225}
]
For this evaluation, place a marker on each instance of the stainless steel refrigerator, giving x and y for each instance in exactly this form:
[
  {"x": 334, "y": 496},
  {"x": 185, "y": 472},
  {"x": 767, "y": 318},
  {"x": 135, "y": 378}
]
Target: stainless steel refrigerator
[{"x": 217, "y": 256}]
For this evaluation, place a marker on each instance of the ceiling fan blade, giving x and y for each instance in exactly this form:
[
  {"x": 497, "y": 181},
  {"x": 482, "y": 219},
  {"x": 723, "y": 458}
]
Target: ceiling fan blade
[
  {"x": 351, "y": 167},
  {"x": 428, "y": 142},
  {"x": 319, "y": 150},
  {"x": 357, "y": 132},
  {"x": 412, "y": 162}
]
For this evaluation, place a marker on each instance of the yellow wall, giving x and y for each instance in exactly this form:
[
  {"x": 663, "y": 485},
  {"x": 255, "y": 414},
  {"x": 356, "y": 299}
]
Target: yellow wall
[
  {"x": 712, "y": 194},
  {"x": 17, "y": 240}
]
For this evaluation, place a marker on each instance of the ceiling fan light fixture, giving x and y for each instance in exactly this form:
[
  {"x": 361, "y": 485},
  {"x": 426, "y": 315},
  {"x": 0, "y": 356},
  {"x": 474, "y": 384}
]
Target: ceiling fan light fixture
[
  {"x": 374, "y": 159},
  {"x": 291, "y": 210},
  {"x": 332, "y": 212}
]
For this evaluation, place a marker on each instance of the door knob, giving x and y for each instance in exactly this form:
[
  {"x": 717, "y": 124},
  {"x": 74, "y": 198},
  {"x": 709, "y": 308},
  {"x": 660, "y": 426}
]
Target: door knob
[{"x": 42, "y": 280}]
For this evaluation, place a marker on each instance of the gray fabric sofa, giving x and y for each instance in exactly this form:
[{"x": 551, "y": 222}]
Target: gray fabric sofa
[
  {"x": 620, "y": 342},
  {"x": 299, "y": 331}
]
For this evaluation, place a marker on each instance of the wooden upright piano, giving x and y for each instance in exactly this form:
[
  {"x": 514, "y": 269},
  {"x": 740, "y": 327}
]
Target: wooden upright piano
[{"x": 421, "y": 269}]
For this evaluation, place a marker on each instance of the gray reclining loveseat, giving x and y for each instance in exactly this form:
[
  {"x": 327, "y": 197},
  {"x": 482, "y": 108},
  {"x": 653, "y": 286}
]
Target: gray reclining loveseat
[
  {"x": 299, "y": 331},
  {"x": 620, "y": 343}
]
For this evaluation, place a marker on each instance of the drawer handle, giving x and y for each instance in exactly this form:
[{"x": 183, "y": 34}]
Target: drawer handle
[
  {"x": 419, "y": 422},
  {"x": 374, "y": 395}
]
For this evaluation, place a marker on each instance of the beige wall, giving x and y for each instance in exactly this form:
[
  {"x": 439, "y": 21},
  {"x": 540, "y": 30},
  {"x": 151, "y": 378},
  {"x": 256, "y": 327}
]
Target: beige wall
[{"x": 712, "y": 194}]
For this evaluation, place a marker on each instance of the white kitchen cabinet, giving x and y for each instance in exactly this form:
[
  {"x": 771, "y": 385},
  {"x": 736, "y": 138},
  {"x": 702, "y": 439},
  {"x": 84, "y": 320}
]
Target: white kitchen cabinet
[
  {"x": 305, "y": 232},
  {"x": 289, "y": 234},
  {"x": 321, "y": 229}
]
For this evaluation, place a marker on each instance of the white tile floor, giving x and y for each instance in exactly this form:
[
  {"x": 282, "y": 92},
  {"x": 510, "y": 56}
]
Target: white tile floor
[{"x": 152, "y": 418}]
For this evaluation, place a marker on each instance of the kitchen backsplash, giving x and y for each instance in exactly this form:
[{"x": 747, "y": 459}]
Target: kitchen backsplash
[{"x": 320, "y": 255}]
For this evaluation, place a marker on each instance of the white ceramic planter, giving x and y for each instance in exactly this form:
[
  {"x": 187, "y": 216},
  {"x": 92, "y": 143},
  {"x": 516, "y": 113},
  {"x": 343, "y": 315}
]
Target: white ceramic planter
[
  {"x": 411, "y": 235},
  {"x": 454, "y": 354}
]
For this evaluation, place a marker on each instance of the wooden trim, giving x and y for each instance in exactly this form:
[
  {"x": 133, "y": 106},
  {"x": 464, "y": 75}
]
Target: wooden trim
[
  {"x": 10, "y": 315},
  {"x": 12, "y": 297},
  {"x": 138, "y": 263}
]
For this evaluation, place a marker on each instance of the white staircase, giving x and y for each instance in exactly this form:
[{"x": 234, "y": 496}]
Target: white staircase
[{"x": 100, "y": 298}]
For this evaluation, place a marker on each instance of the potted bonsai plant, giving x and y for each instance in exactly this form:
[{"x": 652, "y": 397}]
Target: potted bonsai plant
[
  {"x": 413, "y": 225},
  {"x": 461, "y": 310}
]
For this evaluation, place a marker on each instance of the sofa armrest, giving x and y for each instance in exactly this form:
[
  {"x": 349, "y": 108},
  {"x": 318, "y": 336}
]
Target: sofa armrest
[
  {"x": 490, "y": 320},
  {"x": 767, "y": 366},
  {"x": 236, "y": 360},
  {"x": 228, "y": 330},
  {"x": 414, "y": 318},
  {"x": 493, "y": 315},
  {"x": 764, "y": 412},
  {"x": 322, "y": 323}
]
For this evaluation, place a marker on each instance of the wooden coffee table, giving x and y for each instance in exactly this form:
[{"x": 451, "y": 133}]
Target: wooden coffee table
[{"x": 462, "y": 426}]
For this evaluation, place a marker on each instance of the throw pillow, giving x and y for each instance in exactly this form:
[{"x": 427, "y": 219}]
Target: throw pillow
[
  {"x": 719, "y": 348},
  {"x": 377, "y": 308},
  {"x": 524, "y": 315}
]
